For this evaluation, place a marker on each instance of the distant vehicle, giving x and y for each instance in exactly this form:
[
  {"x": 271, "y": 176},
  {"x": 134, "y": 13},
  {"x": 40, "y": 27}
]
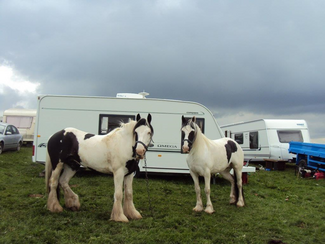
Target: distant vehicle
[
  {"x": 10, "y": 139},
  {"x": 267, "y": 139},
  {"x": 23, "y": 119},
  {"x": 309, "y": 156}
]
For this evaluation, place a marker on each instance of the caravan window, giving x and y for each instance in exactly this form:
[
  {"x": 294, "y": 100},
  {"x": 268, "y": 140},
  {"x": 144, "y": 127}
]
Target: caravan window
[
  {"x": 253, "y": 140},
  {"x": 107, "y": 123},
  {"x": 23, "y": 122},
  {"x": 239, "y": 138},
  {"x": 288, "y": 136},
  {"x": 199, "y": 122}
]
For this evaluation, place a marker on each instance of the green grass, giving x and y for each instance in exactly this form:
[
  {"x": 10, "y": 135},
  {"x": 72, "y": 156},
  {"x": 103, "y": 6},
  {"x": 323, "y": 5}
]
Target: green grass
[{"x": 280, "y": 206}]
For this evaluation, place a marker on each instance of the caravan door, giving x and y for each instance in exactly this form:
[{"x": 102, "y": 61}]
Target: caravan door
[{"x": 242, "y": 139}]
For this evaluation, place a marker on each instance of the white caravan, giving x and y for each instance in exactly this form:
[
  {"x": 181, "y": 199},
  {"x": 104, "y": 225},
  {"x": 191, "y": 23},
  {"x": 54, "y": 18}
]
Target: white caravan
[
  {"x": 23, "y": 119},
  {"x": 99, "y": 115},
  {"x": 267, "y": 139}
]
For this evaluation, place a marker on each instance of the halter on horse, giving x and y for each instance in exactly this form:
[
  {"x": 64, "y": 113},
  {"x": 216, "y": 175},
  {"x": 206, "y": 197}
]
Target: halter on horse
[
  {"x": 117, "y": 152},
  {"x": 206, "y": 157}
]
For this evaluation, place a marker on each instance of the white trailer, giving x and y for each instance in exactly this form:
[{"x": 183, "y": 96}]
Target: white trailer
[
  {"x": 23, "y": 119},
  {"x": 267, "y": 139},
  {"x": 99, "y": 115}
]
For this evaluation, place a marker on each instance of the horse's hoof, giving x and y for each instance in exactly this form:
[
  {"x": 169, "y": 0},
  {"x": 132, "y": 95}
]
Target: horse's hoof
[
  {"x": 55, "y": 209},
  {"x": 121, "y": 218},
  {"x": 74, "y": 209},
  {"x": 240, "y": 204},
  {"x": 232, "y": 201},
  {"x": 135, "y": 215},
  {"x": 209, "y": 211},
  {"x": 198, "y": 209}
]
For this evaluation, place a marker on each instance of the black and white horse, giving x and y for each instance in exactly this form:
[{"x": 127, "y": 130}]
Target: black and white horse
[
  {"x": 117, "y": 152},
  {"x": 208, "y": 157}
]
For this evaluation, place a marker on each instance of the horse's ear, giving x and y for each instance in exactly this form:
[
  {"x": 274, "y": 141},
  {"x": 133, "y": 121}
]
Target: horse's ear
[
  {"x": 194, "y": 119},
  {"x": 149, "y": 118},
  {"x": 184, "y": 121},
  {"x": 138, "y": 117}
]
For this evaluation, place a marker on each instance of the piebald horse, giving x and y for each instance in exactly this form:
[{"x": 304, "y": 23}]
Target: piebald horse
[
  {"x": 117, "y": 152},
  {"x": 206, "y": 157}
]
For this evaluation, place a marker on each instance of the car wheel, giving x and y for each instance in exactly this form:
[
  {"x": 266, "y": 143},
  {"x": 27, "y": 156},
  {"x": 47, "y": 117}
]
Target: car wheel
[
  {"x": 1, "y": 147},
  {"x": 301, "y": 166},
  {"x": 19, "y": 146}
]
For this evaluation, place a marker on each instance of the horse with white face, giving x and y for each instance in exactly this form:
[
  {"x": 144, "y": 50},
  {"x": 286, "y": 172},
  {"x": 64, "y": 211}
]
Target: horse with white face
[
  {"x": 117, "y": 152},
  {"x": 206, "y": 157}
]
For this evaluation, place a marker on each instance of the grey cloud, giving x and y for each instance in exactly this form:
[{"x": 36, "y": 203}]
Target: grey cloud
[{"x": 254, "y": 56}]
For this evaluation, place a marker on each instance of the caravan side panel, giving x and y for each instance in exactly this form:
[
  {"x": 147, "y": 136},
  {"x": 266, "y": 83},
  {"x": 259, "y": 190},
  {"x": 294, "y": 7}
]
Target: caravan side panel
[
  {"x": 58, "y": 112},
  {"x": 273, "y": 136}
]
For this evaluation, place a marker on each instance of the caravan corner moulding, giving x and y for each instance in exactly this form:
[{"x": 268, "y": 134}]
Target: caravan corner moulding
[{"x": 100, "y": 115}]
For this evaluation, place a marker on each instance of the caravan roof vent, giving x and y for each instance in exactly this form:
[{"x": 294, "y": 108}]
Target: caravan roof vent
[{"x": 132, "y": 95}]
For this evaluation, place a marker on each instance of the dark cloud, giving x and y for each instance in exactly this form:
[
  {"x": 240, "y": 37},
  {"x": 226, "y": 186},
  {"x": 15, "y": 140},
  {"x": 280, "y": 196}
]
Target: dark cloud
[{"x": 261, "y": 57}]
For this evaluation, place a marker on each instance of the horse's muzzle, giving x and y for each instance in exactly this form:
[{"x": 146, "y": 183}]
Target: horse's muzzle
[
  {"x": 141, "y": 150},
  {"x": 185, "y": 149}
]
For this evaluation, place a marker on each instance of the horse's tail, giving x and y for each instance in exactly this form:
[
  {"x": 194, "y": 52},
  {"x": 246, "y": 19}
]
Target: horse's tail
[
  {"x": 236, "y": 187},
  {"x": 48, "y": 171}
]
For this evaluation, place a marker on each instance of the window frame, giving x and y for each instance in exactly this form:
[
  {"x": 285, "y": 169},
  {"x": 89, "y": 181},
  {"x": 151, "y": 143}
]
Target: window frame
[
  {"x": 114, "y": 124},
  {"x": 240, "y": 140},
  {"x": 297, "y": 132}
]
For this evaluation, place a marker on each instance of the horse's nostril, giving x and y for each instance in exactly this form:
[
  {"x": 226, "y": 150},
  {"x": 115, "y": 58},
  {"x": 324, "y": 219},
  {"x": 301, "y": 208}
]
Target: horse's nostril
[{"x": 141, "y": 151}]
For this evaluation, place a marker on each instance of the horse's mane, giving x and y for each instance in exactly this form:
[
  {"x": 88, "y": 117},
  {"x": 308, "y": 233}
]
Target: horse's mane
[
  {"x": 127, "y": 126},
  {"x": 199, "y": 135},
  {"x": 123, "y": 126}
]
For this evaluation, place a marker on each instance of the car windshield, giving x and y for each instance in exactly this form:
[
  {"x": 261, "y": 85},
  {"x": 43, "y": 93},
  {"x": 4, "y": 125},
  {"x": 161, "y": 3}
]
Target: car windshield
[{"x": 2, "y": 128}]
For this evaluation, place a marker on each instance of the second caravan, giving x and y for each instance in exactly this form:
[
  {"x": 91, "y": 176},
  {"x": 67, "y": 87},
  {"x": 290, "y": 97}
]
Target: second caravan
[
  {"x": 23, "y": 119},
  {"x": 99, "y": 115},
  {"x": 267, "y": 139}
]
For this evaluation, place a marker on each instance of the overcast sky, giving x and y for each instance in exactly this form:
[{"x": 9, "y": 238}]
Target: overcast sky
[{"x": 243, "y": 59}]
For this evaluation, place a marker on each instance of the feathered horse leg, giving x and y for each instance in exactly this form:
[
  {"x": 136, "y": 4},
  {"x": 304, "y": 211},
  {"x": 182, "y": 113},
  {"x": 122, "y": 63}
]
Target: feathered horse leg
[
  {"x": 53, "y": 203},
  {"x": 199, "y": 206},
  {"x": 226, "y": 175},
  {"x": 71, "y": 199},
  {"x": 209, "y": 208},
  {"x": 117, "y": 212},
  {"x": 128, "y": 207}
]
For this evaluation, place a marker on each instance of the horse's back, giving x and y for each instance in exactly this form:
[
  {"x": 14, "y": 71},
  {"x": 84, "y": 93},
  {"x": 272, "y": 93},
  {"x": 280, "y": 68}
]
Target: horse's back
[
  {"x": 229, "y": 143},
  {"x": 64, "y": 144},
  {"x": 224, "y": 151},
  {"x": 234, "y": 152}
]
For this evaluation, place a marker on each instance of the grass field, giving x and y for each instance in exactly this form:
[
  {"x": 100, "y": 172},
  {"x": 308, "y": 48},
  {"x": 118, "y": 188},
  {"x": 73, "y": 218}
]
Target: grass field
[{"x": 280, "y": 207}]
